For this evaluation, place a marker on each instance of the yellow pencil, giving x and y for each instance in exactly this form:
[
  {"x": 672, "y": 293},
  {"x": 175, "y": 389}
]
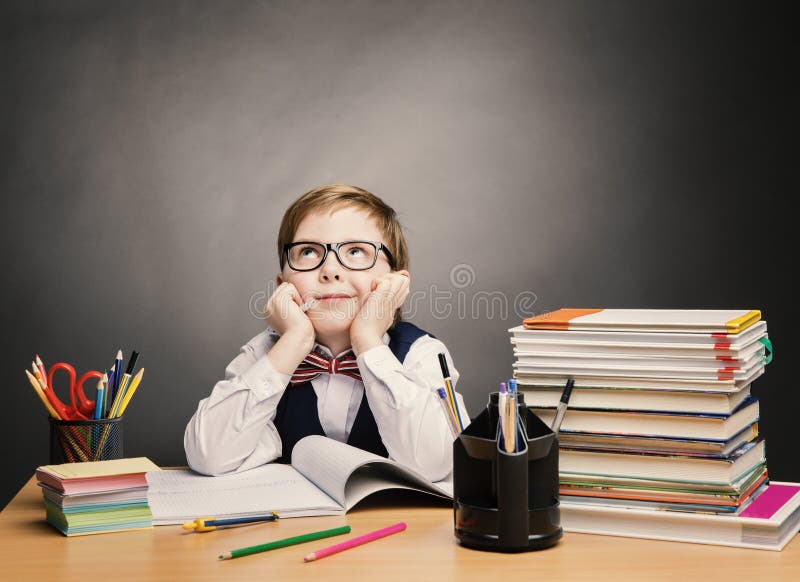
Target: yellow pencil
[
  {"x": 129, "y": 393},
  {"x": 38, "y": 389}
]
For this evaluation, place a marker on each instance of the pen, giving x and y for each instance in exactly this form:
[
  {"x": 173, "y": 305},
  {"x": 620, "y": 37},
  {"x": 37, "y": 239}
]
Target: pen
[
  {"x": 117, "y": 375},
  {"x": 129, "y": 370},
  {"x": 451, "y": 393},
  {"x": 204, "y": 524},
  {"x": 502, "y": 417},
  {"x": 351, "y": 543},
  {"x": 562, "y": 406},
  {"x": 309, "y": 537},
  {"x": 448, "y": 412}
]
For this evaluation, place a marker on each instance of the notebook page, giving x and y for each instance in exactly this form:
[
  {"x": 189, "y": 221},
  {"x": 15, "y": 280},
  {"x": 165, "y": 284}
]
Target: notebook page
[
  {"x": 183, "y": 495},
  {"x": 331, "y": 466}
]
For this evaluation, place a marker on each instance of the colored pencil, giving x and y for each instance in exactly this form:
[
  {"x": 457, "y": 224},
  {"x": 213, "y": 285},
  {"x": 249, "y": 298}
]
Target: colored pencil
[
  {"x": 309, "y": 537},
  {"x": 38, "y": 389},
  {"x": 41, "y": 367},
  {"x": 351, "y": 543},
  {"x": 129, "y": 393},
  {"x": 101, "y": 391}
]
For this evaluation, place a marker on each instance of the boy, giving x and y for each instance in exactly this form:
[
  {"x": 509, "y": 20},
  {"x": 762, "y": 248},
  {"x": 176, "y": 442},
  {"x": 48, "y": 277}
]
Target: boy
[{"x": 334, "y": 360}]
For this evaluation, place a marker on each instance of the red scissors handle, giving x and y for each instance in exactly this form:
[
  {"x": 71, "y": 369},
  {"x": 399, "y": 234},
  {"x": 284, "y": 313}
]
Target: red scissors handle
[{"x": 80, "y": 407}]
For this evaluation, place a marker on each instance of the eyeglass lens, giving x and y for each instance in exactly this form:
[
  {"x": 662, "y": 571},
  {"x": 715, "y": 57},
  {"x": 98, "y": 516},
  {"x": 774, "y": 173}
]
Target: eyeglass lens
[{"x": 353, "y": 255}]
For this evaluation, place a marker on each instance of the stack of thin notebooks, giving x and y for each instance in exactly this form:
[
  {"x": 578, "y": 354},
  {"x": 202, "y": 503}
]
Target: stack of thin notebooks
[
  {"x": 661, "y": 419},
  {"x": 96, "y": 497}
]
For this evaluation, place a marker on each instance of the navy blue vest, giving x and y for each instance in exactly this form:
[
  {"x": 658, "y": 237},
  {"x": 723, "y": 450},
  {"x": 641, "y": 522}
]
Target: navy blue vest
[{"x": 297, "y": 414}]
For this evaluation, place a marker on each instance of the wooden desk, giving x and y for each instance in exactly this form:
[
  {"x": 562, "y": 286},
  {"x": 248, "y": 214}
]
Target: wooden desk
[{"x": 31, "y": 549}]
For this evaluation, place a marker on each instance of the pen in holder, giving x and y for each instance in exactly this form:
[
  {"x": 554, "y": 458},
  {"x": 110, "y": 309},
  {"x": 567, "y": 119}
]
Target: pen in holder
[
  {"x": 74, "y": 441},
  {"x": 506, "y": 501}
]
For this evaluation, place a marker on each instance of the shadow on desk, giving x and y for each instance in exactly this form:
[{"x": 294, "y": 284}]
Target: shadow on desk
[{"x": 397, "y": 498}]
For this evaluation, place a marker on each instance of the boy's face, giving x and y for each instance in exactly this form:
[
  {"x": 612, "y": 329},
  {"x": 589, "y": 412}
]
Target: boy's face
[{"x": 339, "y": 292}]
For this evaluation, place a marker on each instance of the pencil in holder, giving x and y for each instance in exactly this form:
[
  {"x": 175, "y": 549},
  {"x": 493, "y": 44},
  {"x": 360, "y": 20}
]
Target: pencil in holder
[
  {"x": 506, "y": 501},
  {"x": 74, "y": 441}
]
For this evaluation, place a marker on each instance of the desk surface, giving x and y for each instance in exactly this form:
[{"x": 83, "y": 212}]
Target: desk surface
[{"x": 29, "y": 547}]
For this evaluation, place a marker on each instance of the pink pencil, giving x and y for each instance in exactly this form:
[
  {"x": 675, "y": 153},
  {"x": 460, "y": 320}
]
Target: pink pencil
[{"x": 381, "y": 533}]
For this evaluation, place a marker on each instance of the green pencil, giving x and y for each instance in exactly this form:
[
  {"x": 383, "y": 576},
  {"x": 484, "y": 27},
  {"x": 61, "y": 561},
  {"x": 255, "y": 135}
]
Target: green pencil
[{"x": 309, "y": 537}]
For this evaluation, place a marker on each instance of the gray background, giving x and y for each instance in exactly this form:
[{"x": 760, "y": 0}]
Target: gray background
[{"x": 590, "y": 154}]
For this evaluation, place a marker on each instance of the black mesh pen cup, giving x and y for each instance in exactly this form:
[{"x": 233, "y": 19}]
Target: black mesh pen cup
[
  {"x": 506, "y": 502},
  {"x": 75, "y": 441}
]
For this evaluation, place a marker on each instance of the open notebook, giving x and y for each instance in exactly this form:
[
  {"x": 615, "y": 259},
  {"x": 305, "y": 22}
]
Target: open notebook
[{"x": 326, "y": 477}]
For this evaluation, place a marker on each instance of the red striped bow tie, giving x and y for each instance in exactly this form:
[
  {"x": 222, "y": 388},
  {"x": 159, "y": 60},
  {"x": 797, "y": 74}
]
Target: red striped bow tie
[{"x": 315, "y": 364}]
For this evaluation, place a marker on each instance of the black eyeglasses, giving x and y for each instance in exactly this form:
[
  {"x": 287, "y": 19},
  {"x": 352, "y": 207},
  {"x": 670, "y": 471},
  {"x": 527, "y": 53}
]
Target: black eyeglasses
[{"x": 356, "y": 255}]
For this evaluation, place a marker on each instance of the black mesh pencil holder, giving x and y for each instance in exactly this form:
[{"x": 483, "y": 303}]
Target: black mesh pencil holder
[
  {"x": 74, "y": 441},
  {"x": 506, "y": 502}
]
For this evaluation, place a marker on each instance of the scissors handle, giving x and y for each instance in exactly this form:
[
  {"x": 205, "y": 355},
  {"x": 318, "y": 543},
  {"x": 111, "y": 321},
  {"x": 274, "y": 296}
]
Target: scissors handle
[
  {"x": 80, "y": 407},
  {"x": 64, "y": 411},
  {"x": 83, "y": 405}
]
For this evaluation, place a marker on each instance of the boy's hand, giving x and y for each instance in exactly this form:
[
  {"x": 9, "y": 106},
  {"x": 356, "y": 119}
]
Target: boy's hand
[
  {"x": 283, "y": 314},
  {"x": 389, "y": 291}
]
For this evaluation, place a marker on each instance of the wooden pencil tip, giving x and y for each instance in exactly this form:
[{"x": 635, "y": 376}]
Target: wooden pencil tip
[
  {"x": 226, "y": 556},
  {"x": 310, "y": 558},
  {"x": 119, "y": 354}
]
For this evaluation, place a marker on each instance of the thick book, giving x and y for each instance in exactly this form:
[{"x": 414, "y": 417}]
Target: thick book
[
  {"x": 592, "y": 441},
  {"x": 686, "y": 468},
  {"x": 663, "y": 424},
  {"x": 743, "y": 360},
  {"x": 536, "y": 378},
  {"x": 326, "y": 477},
  {"x": 642, "y": 339},
  {"x": 665, "y": 500},
  {"x": 721, "y": 321},
  {"x": 699, "y": 402},
  {"x": 769, "y": 522},
  {"x": 633, "y": 369}
]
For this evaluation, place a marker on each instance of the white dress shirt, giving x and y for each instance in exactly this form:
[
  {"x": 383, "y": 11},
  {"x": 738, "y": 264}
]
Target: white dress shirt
[{"x": 233, "y": 429}]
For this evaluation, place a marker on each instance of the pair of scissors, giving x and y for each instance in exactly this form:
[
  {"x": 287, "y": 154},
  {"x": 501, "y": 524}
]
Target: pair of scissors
[{"x": 81, "y": 408}]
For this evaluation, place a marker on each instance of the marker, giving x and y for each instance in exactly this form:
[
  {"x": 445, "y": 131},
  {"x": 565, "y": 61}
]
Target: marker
[
  {"x": 562, "y": 406},
  {"x": 351, "y": 543},
  {"x": 309, "y": 537}
]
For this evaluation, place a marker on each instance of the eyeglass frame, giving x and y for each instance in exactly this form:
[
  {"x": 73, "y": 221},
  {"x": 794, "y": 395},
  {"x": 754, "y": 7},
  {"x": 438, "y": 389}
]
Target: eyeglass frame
[{"x": 335, "y": 248}]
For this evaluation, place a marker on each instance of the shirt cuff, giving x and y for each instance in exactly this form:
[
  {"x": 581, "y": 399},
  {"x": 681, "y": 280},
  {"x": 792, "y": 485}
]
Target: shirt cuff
[{"x": 264, "y": 380}]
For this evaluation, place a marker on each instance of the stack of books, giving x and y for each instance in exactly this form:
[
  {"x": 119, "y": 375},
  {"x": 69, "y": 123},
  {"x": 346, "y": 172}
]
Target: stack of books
[
  {"x": 96, "y": 497},
  {"x": 661, "y": 416}
]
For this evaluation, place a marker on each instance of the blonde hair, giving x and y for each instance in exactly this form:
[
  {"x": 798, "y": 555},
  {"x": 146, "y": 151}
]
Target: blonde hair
[{"x": 333, "y": 195}]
